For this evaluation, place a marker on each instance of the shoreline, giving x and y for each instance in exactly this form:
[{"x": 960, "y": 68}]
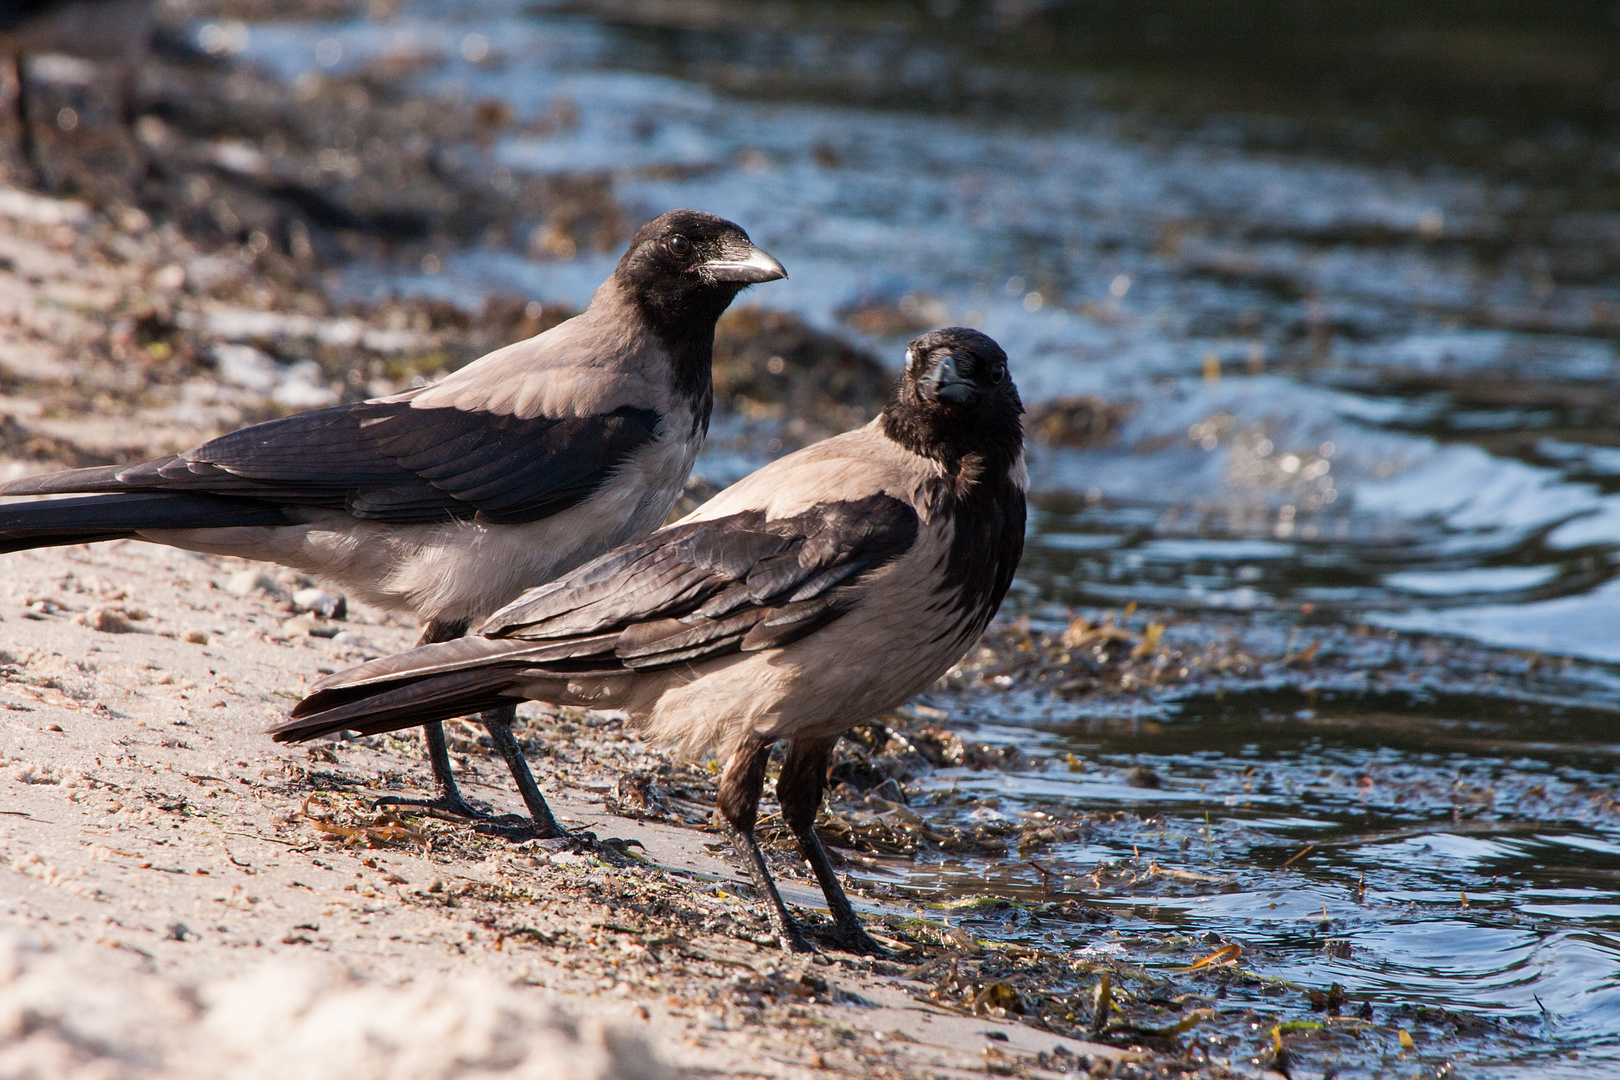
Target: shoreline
[
  {"x": 169, "y": 859},
  {"x": 135, "y": 322}
]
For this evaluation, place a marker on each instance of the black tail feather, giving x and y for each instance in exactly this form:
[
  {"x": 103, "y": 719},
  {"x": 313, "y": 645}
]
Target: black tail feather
[
  {"x": 56, "y": 539},
  {"x": 84, "y": 520},
  {"x": 372, "y": 710}
]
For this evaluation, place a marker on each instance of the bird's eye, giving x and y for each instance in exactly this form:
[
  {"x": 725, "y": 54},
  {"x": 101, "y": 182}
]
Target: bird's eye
[
  {"x": 678, "y": 245},
  {"x": 996, "y": 373}
]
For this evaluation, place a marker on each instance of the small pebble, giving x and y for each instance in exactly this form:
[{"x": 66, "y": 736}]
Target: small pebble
[
  {"x": 169, "y": 278},
  {"x": 196, "y": 637},
  {"x": 321, "y": 602},
  {"x": 245, "y": 582},
  {"x": 1144, "y": 777},
  {"x": 891, "y": 791},
  {"x": 106, "y": 620}
]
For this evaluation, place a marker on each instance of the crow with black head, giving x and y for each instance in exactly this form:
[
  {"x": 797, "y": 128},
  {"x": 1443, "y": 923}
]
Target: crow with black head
[
  {"x": 446, "y": 501},
  {"x": 831, "y": 585},
  {"x": 681, "y": 271}
]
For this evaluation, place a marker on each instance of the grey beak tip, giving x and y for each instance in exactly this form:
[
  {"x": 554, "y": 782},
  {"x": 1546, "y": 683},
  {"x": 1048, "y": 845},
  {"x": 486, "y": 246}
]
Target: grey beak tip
[{"x": 757, "y": 268}]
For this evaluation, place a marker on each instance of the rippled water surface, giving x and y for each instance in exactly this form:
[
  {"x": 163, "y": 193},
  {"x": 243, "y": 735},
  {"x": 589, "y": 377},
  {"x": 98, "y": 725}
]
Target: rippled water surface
[{"x": 1367, "y": 382}]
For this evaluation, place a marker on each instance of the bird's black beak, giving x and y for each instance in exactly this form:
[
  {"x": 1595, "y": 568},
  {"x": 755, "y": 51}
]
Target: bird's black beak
[
  {"x": 742, "y": 264},
  {"x": 946, "y": 383}
]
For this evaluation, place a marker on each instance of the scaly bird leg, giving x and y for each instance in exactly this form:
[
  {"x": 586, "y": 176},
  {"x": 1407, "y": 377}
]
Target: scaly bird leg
[
  {"x": 545, "y": 827},
  {"x": 448, "y": 799},
  {"x": 799, "y": 790},
  {"x": 738, "y": 804},
  {"x": 129, "y": 110}
]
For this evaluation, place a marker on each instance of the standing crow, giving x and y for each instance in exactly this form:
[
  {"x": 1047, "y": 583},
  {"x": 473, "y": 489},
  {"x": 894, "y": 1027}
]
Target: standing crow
[
  {"x": 447, "y": 501},
  {"x": 831, "y": 585}
]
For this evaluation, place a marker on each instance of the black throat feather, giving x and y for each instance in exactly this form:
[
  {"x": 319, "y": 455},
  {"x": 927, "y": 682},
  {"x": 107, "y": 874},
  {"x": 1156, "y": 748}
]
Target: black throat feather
[
  {"x": 978, "y": 451},
  {"x": 685, "y": 324}
]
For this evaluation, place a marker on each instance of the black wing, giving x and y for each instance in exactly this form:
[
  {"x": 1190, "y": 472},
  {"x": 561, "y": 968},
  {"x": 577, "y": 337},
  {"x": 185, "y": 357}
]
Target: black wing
[
  {"x": 694, "y": 591},
  {"x": 686, "y": 593},
  {"x": 385, "y": 461}
]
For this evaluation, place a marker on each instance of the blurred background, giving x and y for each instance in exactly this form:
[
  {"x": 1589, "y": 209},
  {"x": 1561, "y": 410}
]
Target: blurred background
[{"x": 1316, "y": 307}]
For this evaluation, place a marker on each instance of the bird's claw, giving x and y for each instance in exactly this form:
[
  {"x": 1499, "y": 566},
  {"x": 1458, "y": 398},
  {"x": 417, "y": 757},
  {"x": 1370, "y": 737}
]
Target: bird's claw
[
  {"x": 513, "y": 827},
  {"x": 453, "y": 806},
  {"x": 853, "y": 939},
  {"x": 584, "y": 842},
  {"x": 790, "y": 937}
]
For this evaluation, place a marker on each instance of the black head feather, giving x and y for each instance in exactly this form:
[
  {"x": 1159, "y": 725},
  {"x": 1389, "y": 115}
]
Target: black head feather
[
  {"x": 682, "y": 270},
  {"x": 957, "y": 405},
  {"x": 956, "y": 399}
]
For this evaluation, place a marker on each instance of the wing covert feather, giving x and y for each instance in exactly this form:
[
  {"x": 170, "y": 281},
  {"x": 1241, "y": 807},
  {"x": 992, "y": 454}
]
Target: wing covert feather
[
  {"x": 706, "y": 588},
  {"x": 683, "y": 595}
]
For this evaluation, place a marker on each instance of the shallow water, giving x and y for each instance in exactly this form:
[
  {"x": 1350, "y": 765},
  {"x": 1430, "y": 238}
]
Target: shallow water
[
  {"x": 1463, "y": 852},
  {"x": 1373, "y": 382}
]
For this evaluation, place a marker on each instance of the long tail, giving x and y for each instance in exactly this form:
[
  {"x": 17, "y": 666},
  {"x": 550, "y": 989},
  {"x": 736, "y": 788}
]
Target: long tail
[
  {"x": 431, "y": 682},
  {"x": 373, "y": 710},
  {"x": 52, "y": 522}
]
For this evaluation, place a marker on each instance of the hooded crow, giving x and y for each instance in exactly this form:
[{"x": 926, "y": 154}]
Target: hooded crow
[
  {"x": 832, "y": 584},
  {"x": 448, "y": 500}
]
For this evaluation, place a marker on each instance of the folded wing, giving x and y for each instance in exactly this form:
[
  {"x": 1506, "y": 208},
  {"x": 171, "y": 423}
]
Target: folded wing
[
  {"x": 386, "y": 461},
  {"x": 688, "y": 593}
]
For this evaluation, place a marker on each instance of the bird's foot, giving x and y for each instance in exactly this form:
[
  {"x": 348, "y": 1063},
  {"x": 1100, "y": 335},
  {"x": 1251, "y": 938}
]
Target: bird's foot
[
  {"x": 584, "y": 842},
  {"x": 515, "y": 828},
  {"x": 450, "y": 805},
  {"x": 852, "y": 938},
  {"x": 792, "y": 938},
  {"x": 618, "y": 844}
]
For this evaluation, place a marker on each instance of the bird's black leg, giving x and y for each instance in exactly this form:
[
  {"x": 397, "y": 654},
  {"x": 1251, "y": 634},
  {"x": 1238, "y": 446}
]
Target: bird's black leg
[
  {"x": 129, "y": 86},
  {"x": 738, "y": 803},
  {"x": 448, "y": 799},
  {"x": 499, "y": 724},
  {"x": 799, "y": 790}
]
